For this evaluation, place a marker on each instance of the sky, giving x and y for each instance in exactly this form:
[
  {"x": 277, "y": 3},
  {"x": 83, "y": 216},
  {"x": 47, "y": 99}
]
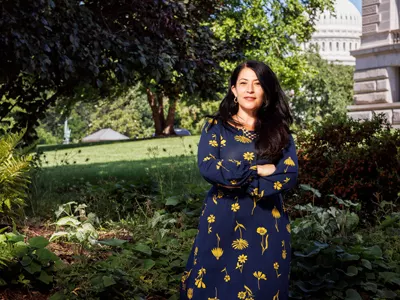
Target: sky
[{"x": 357, "y": 3}]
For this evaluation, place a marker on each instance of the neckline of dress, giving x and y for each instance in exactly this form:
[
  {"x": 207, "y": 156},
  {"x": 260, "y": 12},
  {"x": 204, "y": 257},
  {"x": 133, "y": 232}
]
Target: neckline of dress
[{"x": 240, "y": 128}]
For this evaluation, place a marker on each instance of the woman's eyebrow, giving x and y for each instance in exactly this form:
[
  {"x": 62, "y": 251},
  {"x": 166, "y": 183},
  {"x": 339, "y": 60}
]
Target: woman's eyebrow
[{"x": 255, "y": 79}]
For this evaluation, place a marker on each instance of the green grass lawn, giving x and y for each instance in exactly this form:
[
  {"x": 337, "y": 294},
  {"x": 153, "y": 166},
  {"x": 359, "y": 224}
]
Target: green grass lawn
[{"x": 168, "y": 163}]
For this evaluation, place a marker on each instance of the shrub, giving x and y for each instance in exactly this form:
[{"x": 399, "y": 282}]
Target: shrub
[
  {"x": 14, "y": 177},
  {"x": 355, "y": 160}
]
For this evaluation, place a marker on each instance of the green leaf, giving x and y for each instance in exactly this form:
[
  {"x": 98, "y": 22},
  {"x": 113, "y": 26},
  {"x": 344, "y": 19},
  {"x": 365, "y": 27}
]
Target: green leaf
[
  {"x": 143, "y": 248},
  {"x": 45, "y": 256},
  {"x": 33, "y": 268},
  {"x": 112, "y": 242},
  {"x": 386, "y": 294},
  {"x": 46, "y": 278},
  {"x": 373, "y": 252},
  {"x": 172, "y": 201},
  {"x": 68, "y": 221},
  {"x": 352, "y": 271},
  {"x": 307, "y": 187},
  {"x": 352, "y": 295},
  {"x": 370, "y": 286},
  {"x": 38, "y": 242},
  {"x": 14, "y": 238},
  {"x": 57, "y": 235},
  {"x": 148, "y": 264},
  {"x": 366, "y": 264},
  {"x": 20, "y": 249},
  {"x": 348, "y": 257},
  {"x": 26, "y": 261},
  {"x": 108, "y": 281},
  {"x": 189, "y": 233},
  {"x": 2, "y": 282},
  {"x": 57, "y": 296}
]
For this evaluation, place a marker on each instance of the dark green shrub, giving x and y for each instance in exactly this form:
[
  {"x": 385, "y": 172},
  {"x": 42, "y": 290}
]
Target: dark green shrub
[
  {"x": 29, "y": 263},
  {"x": 354, "y": 160}
]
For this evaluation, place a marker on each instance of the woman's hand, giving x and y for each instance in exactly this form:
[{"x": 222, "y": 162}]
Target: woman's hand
[{"x": 265, "y": 170}]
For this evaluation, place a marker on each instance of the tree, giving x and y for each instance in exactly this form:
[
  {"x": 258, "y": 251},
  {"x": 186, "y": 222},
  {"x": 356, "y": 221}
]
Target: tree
[
  {"x": 50, "y": 49},
  {"x": 270, "y": 31},
  {"x": 328, "y": 90}
]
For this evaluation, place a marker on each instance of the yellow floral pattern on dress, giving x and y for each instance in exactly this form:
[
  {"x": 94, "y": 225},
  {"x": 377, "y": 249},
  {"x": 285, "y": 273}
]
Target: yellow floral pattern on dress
[
  {"x": 240, "y": 243},
  {"x": 241, "y": 261},
  {"x": 217, "y": 196},
  {"x": 247, "y": 294},
  {"x": 278, "y": 185},
  {"x": 213, "y": 142},
  {"x": 237, "y": 162},
  {"x": 210, "y": 220},
  {"x": 235, "y": 206},
  {"x": 222, "y": 141},
  {"x": 259, "y": 275},
  {"x": 249, "y": 156},
  {"x": 276, "y": 214},
  {"x": 284, "y": 250},
  {"x": 289, "y": 162},
  {"x": 242, "y": 139},
  {"x": 217, "y": 252},
  {"x": 198, "y": 282},
  {"x": 256, "y": 197},
  {"x": 185, "y": 276},
  {"x": 276, "y": 267},
  {"x": 190, "y": 293},
  {"x": 196, "y": 251},
  {"x": 288, "y": 228},
  {"x": 227, "y": 278},
  {"x": 264, "y": 238},
  {"x": 276, "y": 297},
  {"x": 216, "y": 295}
]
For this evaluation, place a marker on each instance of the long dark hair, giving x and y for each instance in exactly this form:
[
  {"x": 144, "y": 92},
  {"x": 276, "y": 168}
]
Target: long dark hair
[{"x": 273, "y": 117}]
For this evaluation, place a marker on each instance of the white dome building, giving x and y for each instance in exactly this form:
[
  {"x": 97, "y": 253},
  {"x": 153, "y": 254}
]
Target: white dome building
[{"x": 338, "y": 33}]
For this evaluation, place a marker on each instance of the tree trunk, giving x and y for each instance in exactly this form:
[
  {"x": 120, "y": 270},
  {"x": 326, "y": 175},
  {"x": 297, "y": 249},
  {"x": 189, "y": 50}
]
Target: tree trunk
[
  {"x": 156, "y": 110},
  {"x": 169, "y": 125}
]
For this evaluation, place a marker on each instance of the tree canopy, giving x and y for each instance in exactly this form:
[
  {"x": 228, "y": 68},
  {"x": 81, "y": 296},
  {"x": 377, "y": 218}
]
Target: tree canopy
[{"x": 177, "y": 49}]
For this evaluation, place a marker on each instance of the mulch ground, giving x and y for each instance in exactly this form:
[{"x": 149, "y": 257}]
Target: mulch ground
[{"x": 66, "y": 252}]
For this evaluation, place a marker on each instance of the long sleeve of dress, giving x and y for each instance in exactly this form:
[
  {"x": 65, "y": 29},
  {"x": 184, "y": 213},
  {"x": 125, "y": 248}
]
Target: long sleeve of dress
[
  {"x": 284, "y": 178},
  {"x": 217, "y": 171}
]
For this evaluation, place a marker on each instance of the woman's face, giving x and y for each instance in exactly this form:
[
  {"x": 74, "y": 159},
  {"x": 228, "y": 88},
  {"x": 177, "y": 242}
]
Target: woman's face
[{"x": 248, "y": 90}]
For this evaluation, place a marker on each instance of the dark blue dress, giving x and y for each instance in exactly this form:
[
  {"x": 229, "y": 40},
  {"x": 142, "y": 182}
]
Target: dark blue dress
[{"x": 242, "y": 249}]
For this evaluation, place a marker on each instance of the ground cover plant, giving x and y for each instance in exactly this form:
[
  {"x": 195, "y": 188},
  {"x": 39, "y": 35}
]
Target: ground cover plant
[{"x": 122, "y": 223}]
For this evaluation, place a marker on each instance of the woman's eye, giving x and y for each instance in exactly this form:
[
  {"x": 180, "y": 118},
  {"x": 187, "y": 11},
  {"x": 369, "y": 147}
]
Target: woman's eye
[{"x": 257, "y": 83}]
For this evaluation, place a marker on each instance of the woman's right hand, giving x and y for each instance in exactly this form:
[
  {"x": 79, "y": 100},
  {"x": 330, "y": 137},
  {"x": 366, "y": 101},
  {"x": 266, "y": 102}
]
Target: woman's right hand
[{"x": 265, "y": 170}]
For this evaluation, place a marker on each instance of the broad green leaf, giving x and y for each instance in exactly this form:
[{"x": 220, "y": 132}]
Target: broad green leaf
[
  {"x": 108, "y": 281},
  {"x": 366, "y": 264},
  {"x": 352, "y": 271},
  {"x": 112, "y": 242},
  {"x": 370, "y": 286},
  {"x": 14, "y": 238},
  {"x": 148, "y": 264},
  {"x": 68, "y": 221},
  {"x": 352, "y": 295},
  {"x": 386, "y": 294},
  {"x": 57, "y": 235},
  {"x": 38, "y": 242},
  {"x": 143, "y": 248},
  {"x": 307, "y": 187},
  {"x": 373, "y": 252},
  {"x": 172, "y": 201},
  {"x": 46, "y": 278},
  {"x": 348, "y": 257},
  {"x": 33, "y": 268}
]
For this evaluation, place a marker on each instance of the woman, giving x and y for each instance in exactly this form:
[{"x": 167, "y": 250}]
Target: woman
[{"x": 242, "y": 250}]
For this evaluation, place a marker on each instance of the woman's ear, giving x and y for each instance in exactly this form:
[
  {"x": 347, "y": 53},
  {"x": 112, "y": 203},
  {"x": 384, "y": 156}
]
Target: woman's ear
[{"x": 233, "y": 89}]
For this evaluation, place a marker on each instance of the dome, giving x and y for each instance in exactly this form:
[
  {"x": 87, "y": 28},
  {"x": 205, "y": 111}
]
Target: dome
[
  {"x": 338, "y": 33},
  {"x": 346, "y": 14}
]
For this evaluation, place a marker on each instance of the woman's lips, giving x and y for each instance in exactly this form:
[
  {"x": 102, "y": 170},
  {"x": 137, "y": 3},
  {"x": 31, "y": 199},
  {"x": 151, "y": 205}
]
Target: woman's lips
[{"x": 250, "y": 98}]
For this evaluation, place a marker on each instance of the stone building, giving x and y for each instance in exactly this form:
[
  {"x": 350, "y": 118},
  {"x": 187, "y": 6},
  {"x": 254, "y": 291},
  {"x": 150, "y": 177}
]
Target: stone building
[
  {"x": 336, "y": 34},
  {"x": 377, "y": 74}
]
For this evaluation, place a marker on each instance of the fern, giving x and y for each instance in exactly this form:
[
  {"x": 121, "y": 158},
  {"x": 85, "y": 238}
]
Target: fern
[{"x": 14, "y": 175}]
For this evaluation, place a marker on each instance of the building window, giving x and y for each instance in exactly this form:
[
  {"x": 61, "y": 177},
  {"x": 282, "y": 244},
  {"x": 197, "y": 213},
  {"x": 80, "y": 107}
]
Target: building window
[
  {"x": 330, "y": 46},
  {"x": 356, "y": 46},
  {"x": 350, "y": 46},
  {"x": 323, "y": 46},
  {"x": 337, "y": 46},
  {"x": 344, "y": 46}
]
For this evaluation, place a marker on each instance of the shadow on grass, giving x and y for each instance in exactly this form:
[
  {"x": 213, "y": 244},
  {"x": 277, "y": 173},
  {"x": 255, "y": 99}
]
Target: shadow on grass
[{"x": 52, "y": 186}]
